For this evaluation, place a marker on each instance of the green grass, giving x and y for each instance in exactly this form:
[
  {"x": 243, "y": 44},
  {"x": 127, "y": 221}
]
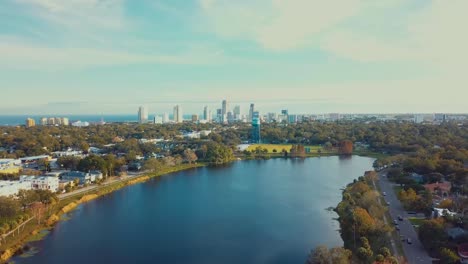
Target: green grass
[{"x": 416, "y": 221}]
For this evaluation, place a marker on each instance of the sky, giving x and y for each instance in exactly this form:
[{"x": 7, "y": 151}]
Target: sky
[{"x": 308, "y": 56}]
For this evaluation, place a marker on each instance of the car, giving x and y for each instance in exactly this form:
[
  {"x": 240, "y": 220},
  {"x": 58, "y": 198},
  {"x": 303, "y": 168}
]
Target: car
[
  {"x": 403, "y": 238},
  {"x": 397, "y": 228},
  {"x": 400, "y": 218},
  {"x": 384, "y": 194},
  {"x": 388, "y": 203},
  {"x": 395, "y": 222},
  {"x": 408, "y": 240}
]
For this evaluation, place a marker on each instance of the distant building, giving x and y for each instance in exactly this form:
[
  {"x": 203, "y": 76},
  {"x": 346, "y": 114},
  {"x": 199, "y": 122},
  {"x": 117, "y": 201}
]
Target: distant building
[
  {"x": 237, "y": 112},
  {"x": 292, "y": 119},
  {"x": 80, "y": 124},
  {"x": 44, "y": 121},
  {"x": 52, "y": 121},
  {"x": 284, "y": 112},
  {"x": 142, "y": 115},
  {"x": 225, "y": 107},
  {"x": 8, "y": 188},
  {"x": 207, "y": 114},
  {"x": 256, "y": 127},
  {"x": 158, "y": 119},
  {"x": 45, "y": 183},
  {"x": 30, "y": 122},
  {"x": 251, "y": 111},
  {"x": 178, "y": 114},
  {"x": 165, "y": 118},
  {"x": 194, "y": 118},
  {"x": 83, "y": 177}
]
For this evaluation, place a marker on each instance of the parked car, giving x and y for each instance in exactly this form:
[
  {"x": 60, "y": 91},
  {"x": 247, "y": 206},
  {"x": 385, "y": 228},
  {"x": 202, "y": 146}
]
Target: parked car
[
  {"x": 397, "y": 228},
  {"x": 403, "y": 238},
  {"x": 408, "y": 240},
  {"x": 400, "y": 218},
  {"x": 388, "y": 203},
  {"x": 395, "y": 222},
  {"x": 384, "y": 194}
]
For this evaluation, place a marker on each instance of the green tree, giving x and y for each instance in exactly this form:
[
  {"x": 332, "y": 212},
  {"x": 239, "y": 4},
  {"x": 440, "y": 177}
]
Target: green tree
[{"x": 447, "y": 256}]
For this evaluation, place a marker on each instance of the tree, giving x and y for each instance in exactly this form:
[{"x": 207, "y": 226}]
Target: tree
[
  {"x": 9, "y": 207},
  {"x": 68, "y": 162},
  {"x": 38, "y": 210},
  {"x": 219, "y": 154},
  {"x": 322, "y": 255},
  {"x": 346, "y": 147},
  {"x": 432, "y": 234},
  {"x": 153, "y": 165},
  {"x": 92, "y": 162},
  {"x": 447, "y": 256},
  {"x": 190, "y": 156}
]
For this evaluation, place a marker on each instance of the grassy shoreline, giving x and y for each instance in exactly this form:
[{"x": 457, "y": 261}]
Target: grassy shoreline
[{"x": 33, "y": 231}]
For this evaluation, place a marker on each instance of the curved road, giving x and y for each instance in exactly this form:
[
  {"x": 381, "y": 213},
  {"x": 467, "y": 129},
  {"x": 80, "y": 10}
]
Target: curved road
[{"x": 415, "y": 252}]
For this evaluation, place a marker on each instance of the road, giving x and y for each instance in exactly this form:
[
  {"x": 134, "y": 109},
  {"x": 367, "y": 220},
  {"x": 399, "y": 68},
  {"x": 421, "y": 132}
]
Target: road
[
  {"x": 415, "y": 252},
  {"x": 95, "y": 186}
]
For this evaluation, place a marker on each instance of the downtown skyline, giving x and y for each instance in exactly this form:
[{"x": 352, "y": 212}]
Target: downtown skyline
[{"x": 305, "y": 56}]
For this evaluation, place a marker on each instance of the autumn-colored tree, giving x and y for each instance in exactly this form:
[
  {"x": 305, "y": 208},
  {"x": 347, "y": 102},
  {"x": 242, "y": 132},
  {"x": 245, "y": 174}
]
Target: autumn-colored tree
[
  {"x": 38, "y": 210},
  {"x": 190, "y": 156},
  {"x": 364, "y": 221},
  {"x": 346, "y": 147}
]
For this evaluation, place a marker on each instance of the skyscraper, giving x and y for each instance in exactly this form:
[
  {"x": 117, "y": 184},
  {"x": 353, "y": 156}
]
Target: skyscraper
[
  {"x": 165, "y": 118},
  {"x": 237, "y": 112},
  {"x": 251, "y": 111},
  {"x": 178, "y": 114},
  {"x": 30, "y": 122},
  {"x": 225, "y": 107},
  {"x": 256, "y": 127},
  {"x": 207, "y": 114},
  {"x": 142, "y": 115}
]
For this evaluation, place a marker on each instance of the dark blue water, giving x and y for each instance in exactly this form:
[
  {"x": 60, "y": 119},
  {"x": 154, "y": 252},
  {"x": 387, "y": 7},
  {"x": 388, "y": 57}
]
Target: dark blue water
[
  {"x": 14, "y": 120},
  {"x": 250, "y": 212}
]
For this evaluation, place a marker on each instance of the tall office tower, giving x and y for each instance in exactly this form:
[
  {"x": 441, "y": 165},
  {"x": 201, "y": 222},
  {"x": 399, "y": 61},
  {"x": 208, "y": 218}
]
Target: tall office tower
[
  {"x": 225, "y": 107},
  {"x": 256, "y": 128},
  {"x": 237, "y": 112},
  {"x": 178, "y": 114},
  {"x": 194, "y": 118},
  {"x": 219, "y": 115},
  {"x": 207, "y": 114},
  {"x": 284, "y": 112},
  {"x": 58, "y": 120},
  {"x": 44, "y": 121},
  {"x": 142, "y": 115},
  {"x": 251, "y": 111},
  {"x": 30, "y": 122},
  {"x": 165, "y": 118},
  {"x": 230, "y": 117}
]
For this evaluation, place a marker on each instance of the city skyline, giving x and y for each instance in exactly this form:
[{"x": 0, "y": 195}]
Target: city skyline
[{"x": 307, "y": 56}]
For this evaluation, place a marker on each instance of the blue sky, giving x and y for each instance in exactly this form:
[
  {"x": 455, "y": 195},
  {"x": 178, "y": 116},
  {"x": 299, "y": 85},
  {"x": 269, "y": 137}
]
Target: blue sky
[{"x": 110, "y": 56}]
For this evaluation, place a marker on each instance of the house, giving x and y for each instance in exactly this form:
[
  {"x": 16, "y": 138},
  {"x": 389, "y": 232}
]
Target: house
[
  {"x": 8, "y": 188},
  {"x": 45, "y": 183},
  {"x": 83, "y": 178},
  {"x": 97, "y": 175},
  {"x": 417, "y": 177},
  {"x": 456, "y": 232},
  {"x": 439, "y": 212},
  {"x": 439, "y": 188},
  {"x": 65, "y": 183},
  {"x": 10, "y": 166}
]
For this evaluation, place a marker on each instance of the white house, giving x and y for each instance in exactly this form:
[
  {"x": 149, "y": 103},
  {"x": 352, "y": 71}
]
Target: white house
[
  {"x": 8, "y": 188},
  {"x": 45, "y": 183}
]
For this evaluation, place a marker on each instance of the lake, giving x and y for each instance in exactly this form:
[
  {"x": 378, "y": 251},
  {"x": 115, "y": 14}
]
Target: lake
[{"x": 272, "y": 211}]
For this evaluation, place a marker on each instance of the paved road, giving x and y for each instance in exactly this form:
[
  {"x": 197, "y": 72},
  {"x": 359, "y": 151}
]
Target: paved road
[
  {"x": 95, "y": 186},
  {"x": 415, "y": 252}
]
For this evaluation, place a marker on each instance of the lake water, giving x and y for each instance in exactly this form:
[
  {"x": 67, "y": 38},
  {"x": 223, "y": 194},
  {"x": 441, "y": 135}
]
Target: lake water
[{"x": 270, "y": 211}]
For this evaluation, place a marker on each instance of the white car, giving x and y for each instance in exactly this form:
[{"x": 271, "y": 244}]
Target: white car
[{"x": 384, "y": 194}]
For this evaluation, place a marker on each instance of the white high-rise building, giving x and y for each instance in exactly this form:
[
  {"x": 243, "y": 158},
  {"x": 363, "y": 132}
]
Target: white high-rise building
[
  {"x": 142, "y": 115},
  {"x": 158, "y": 119},
  {"x": 165, "y": 118},
  {"x": 207, "y": 114},
  {"x": 178, "y": 114}
]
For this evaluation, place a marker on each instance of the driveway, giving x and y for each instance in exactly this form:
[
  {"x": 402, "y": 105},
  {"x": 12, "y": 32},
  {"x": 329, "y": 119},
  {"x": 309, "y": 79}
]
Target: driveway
[{"x": 415, "y": 252}]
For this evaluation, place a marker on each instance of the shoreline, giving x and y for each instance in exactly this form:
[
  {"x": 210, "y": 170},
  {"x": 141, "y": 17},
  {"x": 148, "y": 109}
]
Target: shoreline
[{"x": 70, "y": 203}]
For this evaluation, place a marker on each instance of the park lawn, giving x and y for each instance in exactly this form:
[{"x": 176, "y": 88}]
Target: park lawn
[{"x": 280, "y": 147}]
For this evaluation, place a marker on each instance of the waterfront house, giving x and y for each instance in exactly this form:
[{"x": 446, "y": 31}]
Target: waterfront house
[
  {"x": 8, "y": 188},
  {"x": 83, "y": 178},
  {"x": 45, "y": 183}
]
